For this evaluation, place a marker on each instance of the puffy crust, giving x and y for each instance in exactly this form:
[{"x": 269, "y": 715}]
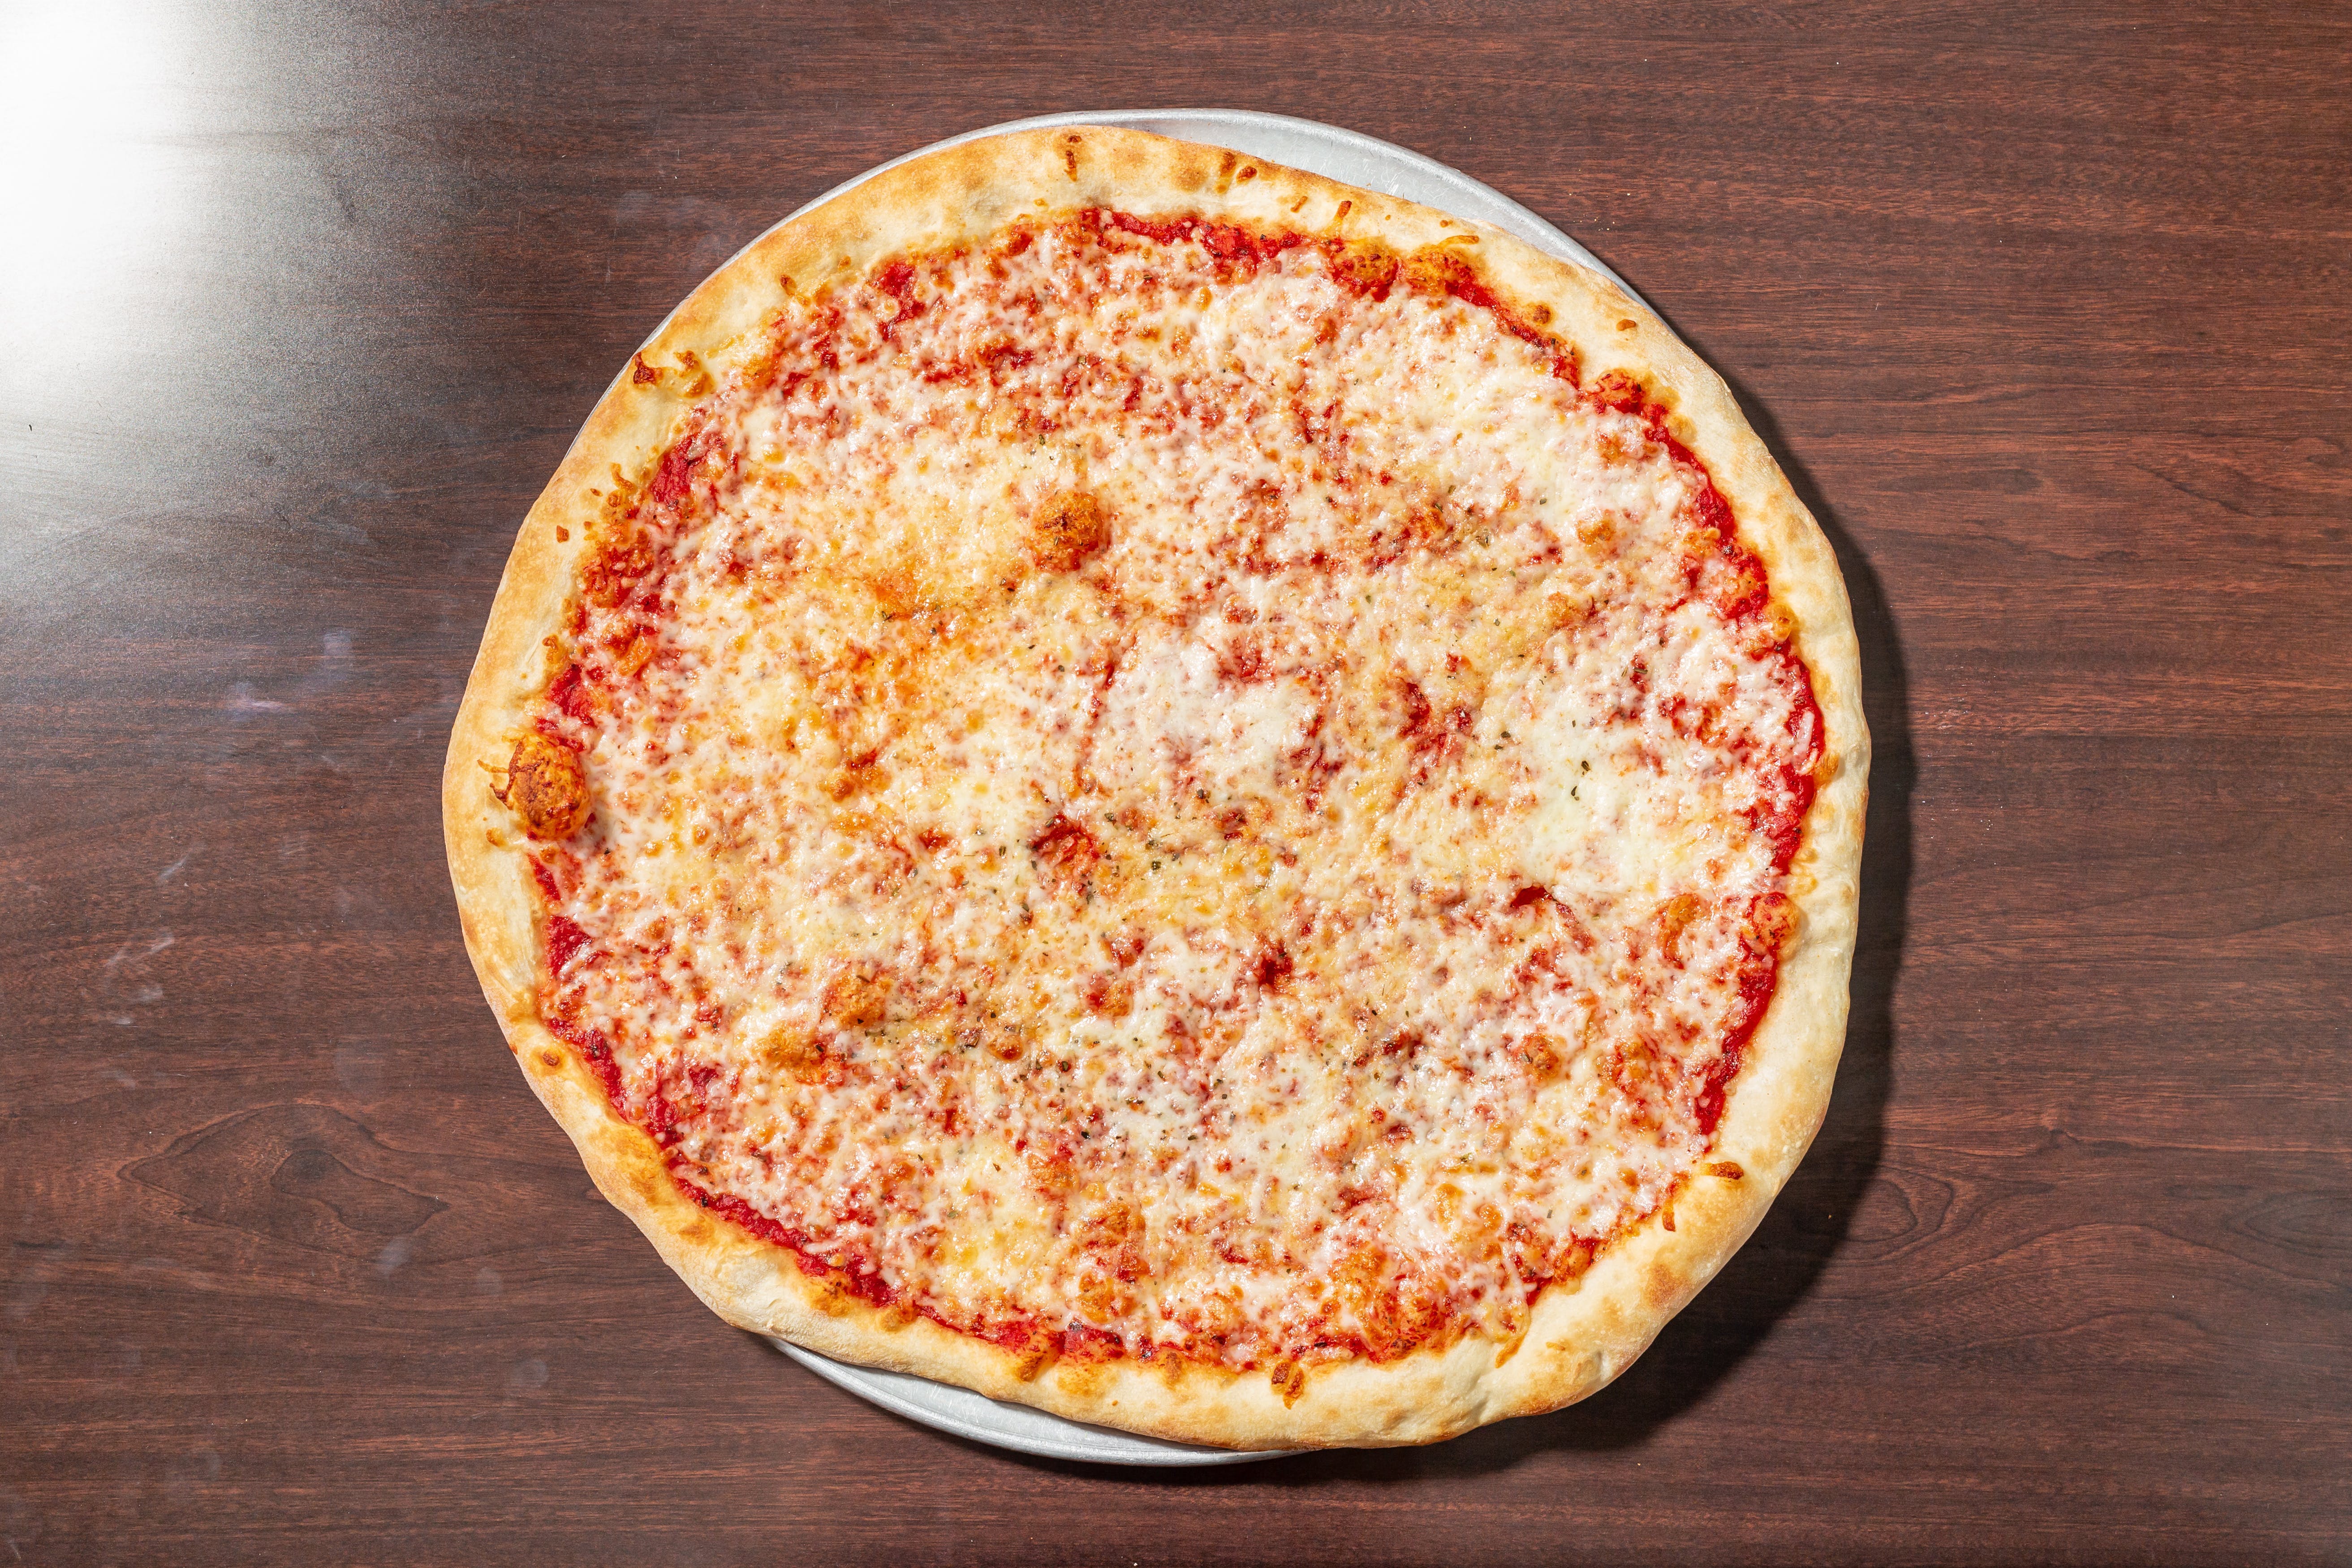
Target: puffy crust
[{"x": 1580, "y": 1336}]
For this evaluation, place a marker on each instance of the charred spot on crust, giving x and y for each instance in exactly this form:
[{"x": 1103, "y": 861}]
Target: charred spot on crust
[
  {"x": 1032, "y": 1360},
  {"x": 546, "y": 787},
  {"x": 833, "y": 1299},
  {"x": 1068, "y": 528}
]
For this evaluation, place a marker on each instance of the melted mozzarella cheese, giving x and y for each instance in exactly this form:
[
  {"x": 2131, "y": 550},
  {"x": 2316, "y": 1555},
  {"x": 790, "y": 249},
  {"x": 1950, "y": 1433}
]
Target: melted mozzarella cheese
[{"x": 1303, "y": 929}]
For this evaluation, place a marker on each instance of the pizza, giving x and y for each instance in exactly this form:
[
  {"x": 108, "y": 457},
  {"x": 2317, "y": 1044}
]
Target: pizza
[{"x": 1168, "y": 790}]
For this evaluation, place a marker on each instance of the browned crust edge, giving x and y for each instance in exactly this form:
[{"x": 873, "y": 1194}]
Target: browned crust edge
[{"x": 1581, "y": 1337}]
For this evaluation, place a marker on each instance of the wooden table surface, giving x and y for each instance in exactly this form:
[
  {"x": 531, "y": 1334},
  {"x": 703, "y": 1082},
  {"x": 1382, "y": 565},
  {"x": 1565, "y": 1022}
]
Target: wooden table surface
[{"x": 2044, "y": 308}]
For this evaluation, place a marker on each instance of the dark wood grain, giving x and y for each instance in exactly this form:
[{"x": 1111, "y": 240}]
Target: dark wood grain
[{"x": 2044, "y": 308}]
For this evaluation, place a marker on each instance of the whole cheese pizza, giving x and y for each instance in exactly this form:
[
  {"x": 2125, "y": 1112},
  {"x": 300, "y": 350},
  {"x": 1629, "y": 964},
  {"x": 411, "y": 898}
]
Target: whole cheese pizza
[{"x": 1172, "y": 791}]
